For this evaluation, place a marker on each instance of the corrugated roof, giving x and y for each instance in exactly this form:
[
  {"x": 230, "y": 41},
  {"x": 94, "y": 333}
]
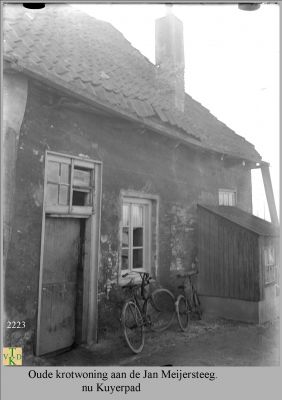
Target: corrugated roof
[
  {"x": 244, "y": 219},
  {"x": 94, "y": 60}
]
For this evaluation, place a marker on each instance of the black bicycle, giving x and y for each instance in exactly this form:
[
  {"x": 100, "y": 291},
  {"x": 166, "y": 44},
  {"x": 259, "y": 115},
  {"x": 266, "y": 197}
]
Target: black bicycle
[
  {"x": 145, "y": 310},
  {"x": 188, "y": 302}
]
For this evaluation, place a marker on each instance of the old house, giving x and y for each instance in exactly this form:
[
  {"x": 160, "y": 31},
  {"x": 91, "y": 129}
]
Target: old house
[{"x": 106, "y": 158}]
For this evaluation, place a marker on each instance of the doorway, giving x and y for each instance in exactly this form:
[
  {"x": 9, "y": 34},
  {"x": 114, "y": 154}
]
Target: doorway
[{"x": 67, "y": 300}]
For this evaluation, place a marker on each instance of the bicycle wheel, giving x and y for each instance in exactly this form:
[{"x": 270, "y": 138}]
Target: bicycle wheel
[
  {"x": 197, "y": 305},
  {"x": 160, "y": 309},
  {"x": 132, "y": 324},
  {"x": 182, "y": 312}
]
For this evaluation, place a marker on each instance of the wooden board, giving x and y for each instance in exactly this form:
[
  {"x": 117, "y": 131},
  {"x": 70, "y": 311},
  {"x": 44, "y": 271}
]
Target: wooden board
[
  {"x": 229, "y": 258},
  {"x": 59, "y": 284}
]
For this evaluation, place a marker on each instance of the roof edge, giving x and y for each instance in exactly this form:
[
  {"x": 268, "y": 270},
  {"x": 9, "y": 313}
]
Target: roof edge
[
  {"x": 172, "y": 132},
  {"x": 206, "y": 207}
]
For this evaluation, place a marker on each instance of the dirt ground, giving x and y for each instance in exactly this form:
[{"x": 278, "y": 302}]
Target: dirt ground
[{"x": 207, "y": 343}]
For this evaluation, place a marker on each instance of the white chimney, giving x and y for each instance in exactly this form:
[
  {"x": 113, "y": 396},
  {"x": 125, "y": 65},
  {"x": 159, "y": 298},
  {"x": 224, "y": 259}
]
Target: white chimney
[{"x": 169, "y": 53}]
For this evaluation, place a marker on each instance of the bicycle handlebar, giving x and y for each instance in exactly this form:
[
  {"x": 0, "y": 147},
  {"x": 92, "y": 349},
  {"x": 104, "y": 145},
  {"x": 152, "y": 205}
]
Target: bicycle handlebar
[{"x": 136, "y": 272}]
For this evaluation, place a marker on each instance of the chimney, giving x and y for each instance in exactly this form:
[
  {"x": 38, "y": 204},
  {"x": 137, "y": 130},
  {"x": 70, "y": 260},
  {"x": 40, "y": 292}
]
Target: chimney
[{"x": 169, "y": 52}]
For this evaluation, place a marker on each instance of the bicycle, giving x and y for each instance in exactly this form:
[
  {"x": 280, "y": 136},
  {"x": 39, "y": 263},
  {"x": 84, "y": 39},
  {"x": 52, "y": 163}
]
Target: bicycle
[
  {"x": 185, "y": 305},
  {"x": 144, "y": 310}
]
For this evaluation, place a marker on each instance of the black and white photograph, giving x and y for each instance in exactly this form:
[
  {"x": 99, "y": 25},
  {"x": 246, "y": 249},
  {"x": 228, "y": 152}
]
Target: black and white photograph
[{"x": 140, "y": 186}]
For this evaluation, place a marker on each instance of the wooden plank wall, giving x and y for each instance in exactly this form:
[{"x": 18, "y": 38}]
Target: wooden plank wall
[{"x": 228, "y": 258}]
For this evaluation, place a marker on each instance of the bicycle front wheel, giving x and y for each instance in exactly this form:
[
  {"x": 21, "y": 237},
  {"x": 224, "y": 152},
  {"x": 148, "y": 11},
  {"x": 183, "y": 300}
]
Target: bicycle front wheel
[
  {"x": 182, "y": 312},
  {"x": 160, "y": 309},
  {"x": 132, "y": 324}
]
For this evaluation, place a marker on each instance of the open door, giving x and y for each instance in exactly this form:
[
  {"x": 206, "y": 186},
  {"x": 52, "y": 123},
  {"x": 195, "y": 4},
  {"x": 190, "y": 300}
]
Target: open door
[
  {"x": 59, "y": 298},
  {"x": 67, "y": 303}
]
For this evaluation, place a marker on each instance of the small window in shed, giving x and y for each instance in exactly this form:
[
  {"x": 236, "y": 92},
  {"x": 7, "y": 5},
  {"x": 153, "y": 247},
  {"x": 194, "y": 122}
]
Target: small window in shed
[
  {"x": 226, "y": 197},
  {"x": 270, "y": 265}
]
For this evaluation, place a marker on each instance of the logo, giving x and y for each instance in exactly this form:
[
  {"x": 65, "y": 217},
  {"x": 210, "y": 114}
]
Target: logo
[{"x": 12, "y": 356}]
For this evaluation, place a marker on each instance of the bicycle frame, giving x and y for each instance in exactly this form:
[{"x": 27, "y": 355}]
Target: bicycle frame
[
  {"x": 194, "y": 294},
  {"x": 135, "y": 297},
  {"x": 145, "y": 310}
]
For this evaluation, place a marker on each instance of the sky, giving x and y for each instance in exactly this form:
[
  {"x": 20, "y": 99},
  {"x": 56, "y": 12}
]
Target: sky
[{"x": 232, "y": 68}]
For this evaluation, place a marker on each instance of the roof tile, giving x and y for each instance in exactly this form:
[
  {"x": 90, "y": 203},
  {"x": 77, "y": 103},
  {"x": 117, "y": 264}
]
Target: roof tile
[
  {"x": 73, "y": 49},
  {"x": 79, "y": 84},
  {"x": 149, "y": 109},
  {"x": 107, "y": 84},
  {"x": 161, "y": 114},
  {"x": 60, "y": 69}
]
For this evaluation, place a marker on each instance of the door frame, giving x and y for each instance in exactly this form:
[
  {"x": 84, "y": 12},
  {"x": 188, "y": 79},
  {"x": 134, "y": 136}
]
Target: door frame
[{"x": 91, "y": 258}]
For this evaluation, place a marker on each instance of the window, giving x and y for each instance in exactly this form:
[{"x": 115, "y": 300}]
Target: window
[
  {"x": 135, "y": 234},
  {"x": 58, "y": 185},
  {"x": 270, "y": 265},
  {"x": 70, "y": 184},
  {"x": 82, "y": 190},
  {"x": 226, "y": 197}
]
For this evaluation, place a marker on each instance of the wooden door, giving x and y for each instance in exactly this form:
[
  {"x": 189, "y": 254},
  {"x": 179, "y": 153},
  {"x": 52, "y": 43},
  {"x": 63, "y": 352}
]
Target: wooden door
[{"x": 62, "y": 254}]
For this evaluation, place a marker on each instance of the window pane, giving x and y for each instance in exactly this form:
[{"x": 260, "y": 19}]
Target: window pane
[
  {"x": 81, "y": 177},
  {"x": 220, "y": 198},
  {"x": 64, "y": 195},
  {"x": 231, "y": 199},
  {"x": 226, "y": 198},
  {"x": 271, "y": 256},
  {"x": 52, "y": 194},
  {"x": 137, "y": 258},
  {"x": 124, "y": 259},
  {"x": 266, "y": 257},
  {"x": 125, "y": 215},
  {"x": 53, "y": 171},
  {"x": 137, "y": 237},
  {"x": 270, "y": 274},
  {"x": 80, "y": 198},
  {"x": 65, "y": 173},
  {"x": 137, "y": 215},
  {"x": 125, "y": 237}
]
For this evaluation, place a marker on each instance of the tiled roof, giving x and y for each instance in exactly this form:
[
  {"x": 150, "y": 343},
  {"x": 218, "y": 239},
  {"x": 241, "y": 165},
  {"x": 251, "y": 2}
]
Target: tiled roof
[
  {"x": 92, "y": 59},
  {"x": 244, "y": 219}
]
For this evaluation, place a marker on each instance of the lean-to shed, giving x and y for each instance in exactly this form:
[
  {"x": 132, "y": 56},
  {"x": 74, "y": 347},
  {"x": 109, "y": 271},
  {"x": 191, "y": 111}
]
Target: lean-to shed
[{"x": 238, "y": 256}]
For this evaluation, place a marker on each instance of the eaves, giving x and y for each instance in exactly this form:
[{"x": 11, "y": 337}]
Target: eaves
[{"x": 181, "y": 138}]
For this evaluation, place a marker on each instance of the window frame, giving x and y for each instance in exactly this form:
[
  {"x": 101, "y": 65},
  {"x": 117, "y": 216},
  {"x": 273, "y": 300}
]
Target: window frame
[
  {"x": 222, "y": 191},
  {"x": 73, "y": 162},
  {"x": 147, "y": 234}
]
